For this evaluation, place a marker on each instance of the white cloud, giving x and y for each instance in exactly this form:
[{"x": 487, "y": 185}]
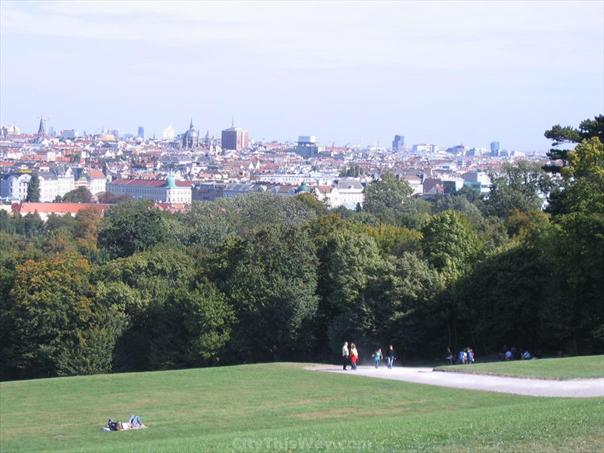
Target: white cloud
[{"x": 432, "y": 35}]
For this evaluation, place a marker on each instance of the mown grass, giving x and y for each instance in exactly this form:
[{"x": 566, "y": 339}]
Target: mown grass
[
  {"x": 283, "y": 407},
  {"x": 559, "y": 369}
]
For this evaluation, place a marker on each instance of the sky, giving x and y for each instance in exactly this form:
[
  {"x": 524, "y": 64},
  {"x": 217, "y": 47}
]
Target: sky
[{"x": 348, "y": 72}]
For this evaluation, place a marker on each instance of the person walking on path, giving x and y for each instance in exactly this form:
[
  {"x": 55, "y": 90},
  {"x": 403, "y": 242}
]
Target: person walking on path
[
  {"x": 377, "y": 357},
  {"x": 345, "y": 355},
  {"x": 354, "y": 356},
  {"x": 390, "y": 357}
]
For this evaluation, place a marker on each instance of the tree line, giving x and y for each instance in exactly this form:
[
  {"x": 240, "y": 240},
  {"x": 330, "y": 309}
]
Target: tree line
[{"x": 264, "y": 278}]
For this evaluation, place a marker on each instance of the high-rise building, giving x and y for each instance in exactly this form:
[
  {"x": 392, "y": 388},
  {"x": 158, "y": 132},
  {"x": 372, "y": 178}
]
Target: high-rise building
[
  {"x": 234, "y": 138},
  {"x": 307, "y": 146},
  {"x": 398, "y": 143},
  {"x": 141, "y": 132},
  {"x": 495, "y": 148},
  {"x": 69, "y": 133}
]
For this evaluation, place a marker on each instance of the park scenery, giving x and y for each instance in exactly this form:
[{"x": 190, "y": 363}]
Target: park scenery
[{"x": 449, "y": 323}]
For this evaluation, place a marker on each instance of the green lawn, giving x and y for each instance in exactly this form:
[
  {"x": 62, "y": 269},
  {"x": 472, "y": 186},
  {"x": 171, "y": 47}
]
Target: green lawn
[
  {"x": 282, "y": 407},
  {"x": 566, "y": 368}
]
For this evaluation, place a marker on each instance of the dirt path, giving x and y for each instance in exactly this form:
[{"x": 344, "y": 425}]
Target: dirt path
[{"x": 575, "y": 388}]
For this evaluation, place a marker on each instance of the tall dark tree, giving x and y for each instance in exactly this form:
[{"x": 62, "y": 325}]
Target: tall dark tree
[
  {"x": 270, "y": 281},
  {"x": 33, "y": 189},
  {"x": 568, "y": 135},
  {"x": 582, "y": 185}
]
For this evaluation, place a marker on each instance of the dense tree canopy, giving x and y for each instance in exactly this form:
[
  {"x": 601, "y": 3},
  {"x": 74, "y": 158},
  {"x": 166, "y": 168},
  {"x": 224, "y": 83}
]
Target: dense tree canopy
[
  {"x": 131, "y": 227},
  {"x": 272, "y": 278},
  {"x": 521, "y": 187}
]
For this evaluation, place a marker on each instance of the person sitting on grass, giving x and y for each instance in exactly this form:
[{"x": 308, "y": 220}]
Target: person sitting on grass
[
  {"x": 462, "y": 357},
  {"x": 134, "y": 422},
  {"x": 470, "y": 354}
]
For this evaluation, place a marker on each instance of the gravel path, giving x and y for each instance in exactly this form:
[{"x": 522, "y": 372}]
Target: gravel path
[{"x": 575, "y": 388}]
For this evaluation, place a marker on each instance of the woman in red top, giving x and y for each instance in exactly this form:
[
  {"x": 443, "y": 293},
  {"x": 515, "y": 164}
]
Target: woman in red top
[{"x": 354, "y": 356}]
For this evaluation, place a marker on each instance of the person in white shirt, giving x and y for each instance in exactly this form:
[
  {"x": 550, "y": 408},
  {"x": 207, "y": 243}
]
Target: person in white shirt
[{"x": 345, "y": 355}]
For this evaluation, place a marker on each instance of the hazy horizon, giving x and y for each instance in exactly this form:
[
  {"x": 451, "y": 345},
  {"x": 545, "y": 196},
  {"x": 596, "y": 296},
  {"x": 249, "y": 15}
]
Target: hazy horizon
[{"x": 346, "y": 72}]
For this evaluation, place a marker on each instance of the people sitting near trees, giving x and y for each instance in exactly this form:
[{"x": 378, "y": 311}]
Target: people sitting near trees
[
  {"x": 470, "y": 355},
  {"x": 526, "y": 355},
  {"x": 462, "y": 357},
  {"x": 509, "y": 355},
  {"x": 450, "y": 356}
]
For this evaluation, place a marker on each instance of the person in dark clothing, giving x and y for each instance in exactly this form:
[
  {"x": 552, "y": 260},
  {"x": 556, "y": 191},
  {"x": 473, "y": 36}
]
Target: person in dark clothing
[{"x": 390, "y": 357}]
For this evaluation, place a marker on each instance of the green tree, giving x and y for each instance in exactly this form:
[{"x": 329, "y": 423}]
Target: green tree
[
  {"x": 30, "y": 225},
  {"x": 192, "y": 327},
  {"x": 572, "y": 315},
  {"x": 131, "y": 227},
  {"x": 520, "y": 187},
  {"x": 350, "y": 264},
  {"x": 386, "y": 197},
  {"x": 582, "y": 186},
  {"x": 450, "y": 244},
  {"x": 569, "y": 135},
  {"x": 270, "y": 281},
  {"x": 143, "y": 285},
  {"x": 56, "y": 326},
  {"x": 33, "y": 189},
  {"x": 87, "y": 222},
  {"x": 500, "y": 302},
  {"x": 79, "y": 195}
]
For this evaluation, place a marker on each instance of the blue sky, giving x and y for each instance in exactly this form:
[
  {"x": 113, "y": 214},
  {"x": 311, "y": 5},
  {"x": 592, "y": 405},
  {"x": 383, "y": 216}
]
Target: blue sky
[{"x": 348, "y": 72}]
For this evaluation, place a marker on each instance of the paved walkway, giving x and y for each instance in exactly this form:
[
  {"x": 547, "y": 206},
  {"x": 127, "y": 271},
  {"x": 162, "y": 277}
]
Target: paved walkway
[{"x": 575, "y": 388}]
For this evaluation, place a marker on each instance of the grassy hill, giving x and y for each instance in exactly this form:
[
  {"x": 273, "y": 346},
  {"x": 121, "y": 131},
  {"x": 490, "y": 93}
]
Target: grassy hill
[
  {"x": 277, "y": 407},
  {"x": 566, "y": 368}
]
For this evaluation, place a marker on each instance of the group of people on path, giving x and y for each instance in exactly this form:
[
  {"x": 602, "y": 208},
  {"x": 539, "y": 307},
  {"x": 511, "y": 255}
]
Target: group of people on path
[{"x": 350, "y": 356}]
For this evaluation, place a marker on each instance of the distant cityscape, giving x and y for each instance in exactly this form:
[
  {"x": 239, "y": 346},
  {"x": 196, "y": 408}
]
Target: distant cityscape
[{"x": 180, "y": 167}]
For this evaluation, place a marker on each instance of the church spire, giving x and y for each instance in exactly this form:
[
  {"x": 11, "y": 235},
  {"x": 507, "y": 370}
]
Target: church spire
[
  {"x": 233, "y": 122},
  {"x": 42, "y": 127},
  {"x": 191, "y": 125}
]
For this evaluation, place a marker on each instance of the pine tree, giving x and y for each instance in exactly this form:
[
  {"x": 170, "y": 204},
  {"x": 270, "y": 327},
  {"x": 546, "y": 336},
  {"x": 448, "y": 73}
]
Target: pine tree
[{"x": 33, "y": 189}]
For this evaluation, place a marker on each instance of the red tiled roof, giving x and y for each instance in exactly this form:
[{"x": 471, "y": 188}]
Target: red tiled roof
[
  {"x": 96, "y": 174},
  {"x": 147, "y": 182},
  {"x": 57, "y": 208}
]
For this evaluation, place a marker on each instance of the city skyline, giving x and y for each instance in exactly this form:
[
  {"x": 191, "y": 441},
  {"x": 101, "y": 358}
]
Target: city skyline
[
  {"x": 347, "y": 72},
  {"x": 43, "y": 129}
]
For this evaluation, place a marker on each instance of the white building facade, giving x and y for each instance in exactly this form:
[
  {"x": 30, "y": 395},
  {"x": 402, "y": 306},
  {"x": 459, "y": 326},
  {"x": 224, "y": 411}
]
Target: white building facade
[
  {"x": 164, "y": 191},
  {"x": 13, "y": 187}
]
